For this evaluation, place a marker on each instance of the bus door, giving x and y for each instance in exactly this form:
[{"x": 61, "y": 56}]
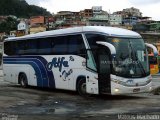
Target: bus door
[
  {"x": 103, "y": 67},
  {"x": 98, "y": 61},
  {"x": 91, "y": 76}
]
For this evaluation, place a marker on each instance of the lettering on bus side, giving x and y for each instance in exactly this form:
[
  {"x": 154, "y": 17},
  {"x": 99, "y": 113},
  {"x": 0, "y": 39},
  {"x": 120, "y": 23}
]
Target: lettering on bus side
[
  {"x": 66, "y": 74},
  {"x": 57, "y": 63}
]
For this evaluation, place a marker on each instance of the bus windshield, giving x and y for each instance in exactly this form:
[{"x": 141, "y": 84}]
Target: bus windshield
[{"x": 131, "y": 57}]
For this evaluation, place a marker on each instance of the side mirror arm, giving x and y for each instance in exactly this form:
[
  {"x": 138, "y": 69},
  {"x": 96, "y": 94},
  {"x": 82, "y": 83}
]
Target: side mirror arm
[{"x": 110, "y": 46}]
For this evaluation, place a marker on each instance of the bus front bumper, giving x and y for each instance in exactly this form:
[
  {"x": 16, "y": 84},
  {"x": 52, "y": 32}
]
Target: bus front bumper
[{"x": 118, "y": 89}]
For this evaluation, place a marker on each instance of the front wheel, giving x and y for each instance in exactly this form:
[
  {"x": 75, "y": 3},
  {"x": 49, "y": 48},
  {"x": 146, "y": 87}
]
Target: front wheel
[
  {"x": 81, "y": 88},
  {"x": 23, "y": 80}
]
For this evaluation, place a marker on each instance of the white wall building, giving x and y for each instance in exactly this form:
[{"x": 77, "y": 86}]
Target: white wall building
[
  {"x": 22, "y": 26},
  {"x": 99, "y": 20},
  {"x": 115, "y": 19},
  {"x": 97, "y": 9}
]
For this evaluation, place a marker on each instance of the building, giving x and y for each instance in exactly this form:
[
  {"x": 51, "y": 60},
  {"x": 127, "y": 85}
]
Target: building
[
  {"x": 130, "y": 16},
  {"x": 97, "y": 10},
  {"x": 22, "y": 28},
  {"x": 115, "y": 20},
  {"x": 145, "y": 20},
  {"x": 86, "y": 14},
  {"x": 132, "y": 12},
  {"x": 50, "y": 22},
  {"x": 155, "y": 26},
  {"x": 100, "y": 19},
  {"x": 37, "y": 24},
  {"x": 130, "y": 20},
  {"x": 37, "y": 28},
  {"x": 143, "y": 24},
  {"x": 141, "y": 27},
  {"x": 64, "y": 19},
  {"x": 37, "y": 20},
  {"x": 13, "y": 33}
]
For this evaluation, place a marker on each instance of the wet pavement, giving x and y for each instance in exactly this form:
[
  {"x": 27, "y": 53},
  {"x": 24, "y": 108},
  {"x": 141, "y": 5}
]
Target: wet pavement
[{"x": 44, "y": 104}]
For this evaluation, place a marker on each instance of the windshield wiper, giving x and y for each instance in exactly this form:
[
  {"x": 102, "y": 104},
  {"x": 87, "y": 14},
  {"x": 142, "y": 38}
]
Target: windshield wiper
[{"x": 136, "y": 57}]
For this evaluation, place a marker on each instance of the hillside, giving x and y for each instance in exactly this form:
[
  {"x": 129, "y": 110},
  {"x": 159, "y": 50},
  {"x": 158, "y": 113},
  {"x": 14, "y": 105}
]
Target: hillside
[{"x": 20, "y": 8}]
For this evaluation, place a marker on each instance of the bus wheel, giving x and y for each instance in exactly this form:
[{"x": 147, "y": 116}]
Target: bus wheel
[
  {"x": 23, "y": 80},
  {"x": 81, "y": 88}
]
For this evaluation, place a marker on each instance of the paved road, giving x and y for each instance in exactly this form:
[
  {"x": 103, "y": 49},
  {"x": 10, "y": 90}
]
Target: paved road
[
  {"x": 39, "y": 104},
  {"x": 156, "y": 81}
]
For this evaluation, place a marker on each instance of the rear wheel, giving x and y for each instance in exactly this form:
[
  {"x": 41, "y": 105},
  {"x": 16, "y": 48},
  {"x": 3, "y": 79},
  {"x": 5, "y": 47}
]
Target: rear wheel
[{"x": 23, "y": 80}]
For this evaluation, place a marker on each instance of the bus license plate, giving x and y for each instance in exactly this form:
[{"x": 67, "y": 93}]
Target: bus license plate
[{"x": 136, "y": 90}]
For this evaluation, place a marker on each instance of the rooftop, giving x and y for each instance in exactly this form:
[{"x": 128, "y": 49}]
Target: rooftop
[{"x": 110, "y": 31}]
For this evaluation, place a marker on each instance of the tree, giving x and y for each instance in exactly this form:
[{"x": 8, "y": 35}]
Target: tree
[
  {"x": 9, "y": 25},
  {"x": 21, "y": 8}
]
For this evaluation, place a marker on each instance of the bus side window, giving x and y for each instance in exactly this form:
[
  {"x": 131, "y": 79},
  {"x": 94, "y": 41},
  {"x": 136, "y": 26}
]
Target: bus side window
[
  {"x": 60, "y": 45},
  {"x": 8, "y": 49},
  {"x": 22, "y": 47},
  {"x": 32, "y": 47},
  {"x": 11, "y": 48},
  {"x": 45, "y": 46},
  {"x": 76, "y": 45}
]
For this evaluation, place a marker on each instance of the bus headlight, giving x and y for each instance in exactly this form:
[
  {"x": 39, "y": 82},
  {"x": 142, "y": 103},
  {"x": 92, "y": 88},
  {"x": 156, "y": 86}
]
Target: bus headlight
[
  {"x": 116, "y": 90},
  {"x": 150, "y": 88}
]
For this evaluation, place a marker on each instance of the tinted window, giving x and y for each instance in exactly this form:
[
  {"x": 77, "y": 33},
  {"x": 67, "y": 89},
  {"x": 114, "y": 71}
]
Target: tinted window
[
  {"x": 71, "y": 44},
  {"x": 45, "y": 46},
  {"x": 76, "y": 45},
  {"x": 10, "y": 48},
  {"x": 21, "y": 47},
  {"x": 60, "y": 45},
  {"x": 93, "y": 38},
  {"x": 32, "y": 47}
]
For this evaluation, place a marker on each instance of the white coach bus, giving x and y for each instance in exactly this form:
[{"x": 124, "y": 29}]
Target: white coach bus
[{"x": 89, "y": 59}]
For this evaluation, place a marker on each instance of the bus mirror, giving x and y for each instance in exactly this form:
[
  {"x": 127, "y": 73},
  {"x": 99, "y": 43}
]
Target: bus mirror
[
  {"x": 155, "y": 51},
  {"x": 109, "y": 45}
]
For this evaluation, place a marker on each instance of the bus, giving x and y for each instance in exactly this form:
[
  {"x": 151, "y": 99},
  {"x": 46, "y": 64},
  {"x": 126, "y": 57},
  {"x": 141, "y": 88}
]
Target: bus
[
  {"x": 154, "y": 65},
  {"x": 158, "y": 58},
  {"x": 1, "y": 58},
  {"x": 88, "y": 59}
]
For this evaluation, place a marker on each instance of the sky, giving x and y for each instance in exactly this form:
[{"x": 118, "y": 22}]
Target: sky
[{"x": 149, "y": 8}]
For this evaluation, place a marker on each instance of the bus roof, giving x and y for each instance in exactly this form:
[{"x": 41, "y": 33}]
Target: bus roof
[{"x": 110, "y": 31}]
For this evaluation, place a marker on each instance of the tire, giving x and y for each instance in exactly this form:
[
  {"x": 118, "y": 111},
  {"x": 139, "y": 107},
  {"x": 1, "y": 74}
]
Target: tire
[
  {"x": 23, "y": 80},
  {"x": 81, "y": 88}
]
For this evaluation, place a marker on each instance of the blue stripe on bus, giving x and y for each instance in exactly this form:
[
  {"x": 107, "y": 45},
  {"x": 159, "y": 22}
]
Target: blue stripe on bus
[{"x": 45, "y": 78}]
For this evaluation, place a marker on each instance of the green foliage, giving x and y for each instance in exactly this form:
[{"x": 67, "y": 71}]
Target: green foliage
[
  {"x": 9, "y": 25},
  {"x": 20, "y": 8}
]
